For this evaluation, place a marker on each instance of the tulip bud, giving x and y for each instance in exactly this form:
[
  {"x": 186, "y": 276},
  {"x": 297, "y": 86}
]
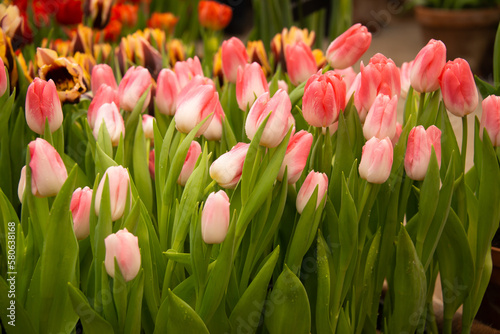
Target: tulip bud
[
  {"x": 300, "y": 62},
  {"x": 234, "y": 54},
  {"x": 48, "y": 172},
  {"x": 227, "y": 169},
  {"x": 151, "y": 164},
  {"x": 277, "y": 125},
  {"x": 296, "y": 156},
  {"x": 187, "y": 70},
  {"x": 381, "y": 119},
  {"x": 22, "y": 184},
  {"x": 133, "y": 85},
  {"x": 214, "y": 129},
  {"x": 215, "y": 218},
  {"x": 427, "y": 67},
  {"x": 124, "y": 246},
  {"x": 147, "y": 126},
  {"x": 102, "y": 74},
  {"x": 166, "y": 92},
  {"x": 250, "y": 84},
  {"x": 109, "y": 114},
  {"x": 190, "y": 162},
  {"x": 376, "y": 160},
  {"x": 195, "y": 106},
  {"x": 80, "y": 210},
  {"x": 119, "y": 189},
  {"x": 104, "y": 94},
  {"x": 405, "y": 78},
  {"x": 458, "y": 88},
  {"x": 313, "y": 180},
  {"x": 324, "y": 98},
  {"x": 419, "y": 148},
  {"x": 3, "y": 78},
  {"x": 346, "y": 49},
  {"x": 42, "y": 103},
  {"x": 490, "y": 119}
]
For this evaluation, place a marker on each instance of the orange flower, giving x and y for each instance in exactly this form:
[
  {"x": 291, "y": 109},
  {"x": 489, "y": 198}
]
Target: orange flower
[
  {"x": 213, "y": 15},
  {"x": 125, "y": 14},
  {"x": 257, "y": 53},
  {"x": 111, "y": 32},
  {"x": 164, "y": 21},
  {"x": 176, "y": 51}
]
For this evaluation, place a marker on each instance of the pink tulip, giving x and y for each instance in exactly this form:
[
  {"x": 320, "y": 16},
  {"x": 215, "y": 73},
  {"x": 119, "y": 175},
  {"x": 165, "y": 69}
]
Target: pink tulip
[
  {"x": 124, "y": 246},
  {"x": 346, "y": 49},
  {"x": 278, "y": 123},
  {"x": 399, "y": 130},
  {"x": 42, "y": 103},
  {"x": 227, "y": 169},
  {"x": 381, "y": 119},
  {"x": 102, "y": 74},
  {"x": 80, "y": 210},
  {"x": 300, "y": 62},
  {"x": 458, "y": 88},
  {"x": 490, "y": 119},
  {"x": 3, "y": 78},
  {"x": 109, "y": 114},
  {"x": 166, "y": 92},
  {"x": 296, "y": 156},
  {"x": 313, "y": 180},
  {"x": 195, "y": 106},
  {"x": 189, "y": 163},
  {"x": 381, "y": 75},
  {"x": 119, "y": 189},
  {"x": 405, "y": 78},
  {"x": 151, "y": 164},
  {"x": 418, "y": 150},
  {"x": 348, "y": 75},
  {"x": 427, "y": 67},
  {"x": 376, "y": 160},
  {"x": 354, "y": 87},
  {"x": 147, "y": 126},
  {"x": 187, "y": 70},
  {"x": 48, "y": 172},
  {"x": 104, "y": 94},
  {"x": 195, "y": 82},
  {"x": 283, "y": 85},
  {"x": 214, "y": 130},
  {"x": 234, "y": 54},
  {"x": 215, "y": 218},
  {"x": 250, "y": 84},
  {"x": 133, "y": 85},
  {"x": 324, "y": 98},
  {"x": 22, "y": 184}
]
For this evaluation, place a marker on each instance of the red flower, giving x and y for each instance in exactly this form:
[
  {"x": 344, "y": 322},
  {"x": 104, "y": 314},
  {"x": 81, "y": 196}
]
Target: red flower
[
  {"x": 164, "y": 21},
  {"x": 126, "y": 14},
  {"x": 69, "y": 12},
  {"x": 213, "y": 15}
]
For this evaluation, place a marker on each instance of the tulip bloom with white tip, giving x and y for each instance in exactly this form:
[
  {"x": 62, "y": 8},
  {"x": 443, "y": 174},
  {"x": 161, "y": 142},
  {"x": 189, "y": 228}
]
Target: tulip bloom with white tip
[
  {"x": 214, "y": 129},
  {"x": 119, "y": 189},
  {"x": 22, "y": 184},
  {"x": 109, "y": 115},
  {"x": 346, "y": 49},
  {"x": 418, "y": 150},
  {"x": 313, "y": 180},
  {"x": 300, "y": 62},
  {"x": 147, "y": 126},
  {"x": 166, "y": 92},
  {"x": 189, "y": 163},
  {"x": 227, "y": 169},
  {"x": 405, "y": 77},
  {"x": 133, "y": 85},
  {"x": 215, "y": 218},
  {"x": 187, "y": 70},
  {"x": 458, "y": 88},
  {"x": 80, "y": 211},
  {"x": 124, "y": 246},
  {"x": 490, "y": 119},
  {"x": 48, "y": 172},
  {"x": 250, "y": 84},
  {"x": 278, "y": 123},
  {"x": 42, "y": 103},
  {"x": 296, "y": 156},
  {"x": 376, "y": 160},
  {"x": 234, "y": 54},
  {"x": 381, "y": 119},
  {"x": 102, "y": 74},
  {"x": 105, "y": 94},
  {"x": 427, "y": 67}
]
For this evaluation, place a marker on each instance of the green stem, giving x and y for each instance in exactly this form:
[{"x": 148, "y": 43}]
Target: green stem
[
  {"x": 421, "y": 106},
  {"x": 464, "y": 140},
  {"x": 447, "y": 326}
]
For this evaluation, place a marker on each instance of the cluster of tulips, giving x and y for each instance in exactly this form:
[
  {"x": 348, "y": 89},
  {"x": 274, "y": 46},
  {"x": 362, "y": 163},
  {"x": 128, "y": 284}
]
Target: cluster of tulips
[{"x": 244, "y": 205}]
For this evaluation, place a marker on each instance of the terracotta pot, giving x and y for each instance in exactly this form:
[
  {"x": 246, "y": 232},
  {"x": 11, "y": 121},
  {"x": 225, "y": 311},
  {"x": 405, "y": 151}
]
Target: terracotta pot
[{"x": 467, "y": 33}]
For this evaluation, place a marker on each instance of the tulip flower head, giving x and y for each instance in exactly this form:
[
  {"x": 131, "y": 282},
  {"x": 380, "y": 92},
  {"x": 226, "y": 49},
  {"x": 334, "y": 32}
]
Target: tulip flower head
[
  {"x": 427, "y": 67},
  {"x": 134, "y": 84},
  {"x": 109, "y": 116},
  {"x": 227, "y": 169},
  {"x": 3, "y": 78},
  {"x": 296, "y": 156},
  {"x": 490, "y": 119},
  {"x": 458, "y": 88},
  {"x": 163, "y": 21},
  {"x": 300, "y": 62},
  {"x": 189, "y": 163},
  {"x": 124, "y": 246},
  {"x": 48, "y": 172},
  {"x": 147, "y": 126},
  {"x": 105, "y": 94},
  {"x": 214, "y": 15},
  {"x": 215, "y": 218},
  {"x": 346, "y": 49},
  {"x": 42, "y": 103},
  {"x": 22, "y": 184},
  {"x": 376, "y": 160},
  {"x": 234, "y": 54},
  {"x": 405, "y": 77},
  {"x": 151, "y": 164},
  {"x": 81, "y": 201},
  {"x": 418, "y": 150},
  {"x": 214, "y": 129},
  {"x": 119, "y": 189},
  {"x": 278, "y": 123},
  {"x": 166, "y": 92},
  {"x": 313, "y": 180},
  {"x": 250, "y": 84},
  {"x": 381, "y": 119},
  {"x": 102, "y": 74},
  {"x": 187, "y": 70}
]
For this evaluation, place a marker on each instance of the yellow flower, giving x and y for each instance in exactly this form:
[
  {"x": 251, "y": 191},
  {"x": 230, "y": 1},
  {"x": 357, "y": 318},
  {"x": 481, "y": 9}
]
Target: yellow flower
[
  {"x": 319, "y": 57},
  {"x": 257, "y": 53},
  {"x": 8, "y": 57}
]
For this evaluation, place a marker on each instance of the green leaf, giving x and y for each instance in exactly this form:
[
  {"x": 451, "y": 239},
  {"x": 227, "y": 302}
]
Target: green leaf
[
  {"x": 133, "y": 319},
  {"x": 21, "y": 321},
  {"x": 176, "y": 316},
  {"x": 131, "y": 125},
  {"x": 104, "y": 140},
  {"x": 323, "y": 324},
  {"x": 292, "y": 313},
  {"x": 140, "y": 160},
  {"x": 120, "y": 296}
]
